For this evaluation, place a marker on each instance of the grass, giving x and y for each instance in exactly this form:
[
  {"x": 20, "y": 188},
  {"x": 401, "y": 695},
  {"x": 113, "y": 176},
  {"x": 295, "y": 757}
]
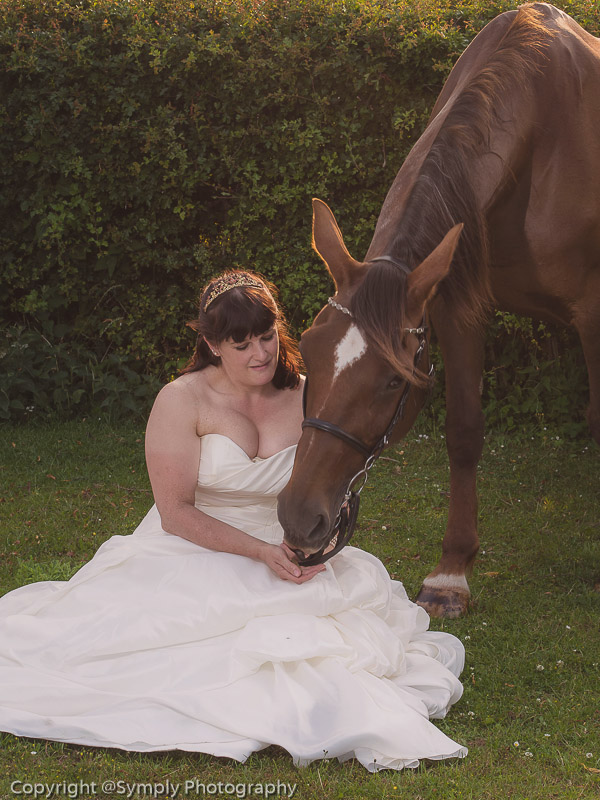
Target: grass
[{"x": 530, "y": 713}]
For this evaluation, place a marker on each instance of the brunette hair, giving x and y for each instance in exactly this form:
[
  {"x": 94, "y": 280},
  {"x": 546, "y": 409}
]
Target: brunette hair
[{"x": 237, "y": 313}]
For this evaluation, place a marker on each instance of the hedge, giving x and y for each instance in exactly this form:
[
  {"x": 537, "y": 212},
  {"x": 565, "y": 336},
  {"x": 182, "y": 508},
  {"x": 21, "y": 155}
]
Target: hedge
[{"x": 145, "y": 145}]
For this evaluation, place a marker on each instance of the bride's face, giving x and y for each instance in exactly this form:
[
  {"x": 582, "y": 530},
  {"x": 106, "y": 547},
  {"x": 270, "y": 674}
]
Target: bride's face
[{"x": 252, "y": 361}]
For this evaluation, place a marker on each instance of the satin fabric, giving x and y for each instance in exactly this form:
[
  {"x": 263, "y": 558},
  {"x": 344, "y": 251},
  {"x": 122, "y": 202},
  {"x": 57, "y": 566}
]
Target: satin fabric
[{"x": 159, "y": 644}]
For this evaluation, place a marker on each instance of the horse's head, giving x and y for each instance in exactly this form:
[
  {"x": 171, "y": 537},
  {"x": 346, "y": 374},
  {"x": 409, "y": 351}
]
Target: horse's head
[{"x": 362, "y": 354}]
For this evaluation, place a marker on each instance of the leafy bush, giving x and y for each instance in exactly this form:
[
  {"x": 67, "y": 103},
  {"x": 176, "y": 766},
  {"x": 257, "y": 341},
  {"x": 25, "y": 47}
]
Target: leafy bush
[
  {"x": 43, "y": 375},
  {"x": 535, "y": 374},
  {"x": 145, "y": 145}
]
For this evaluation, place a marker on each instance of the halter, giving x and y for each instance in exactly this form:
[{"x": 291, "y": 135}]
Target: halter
[{"x": 345, "y": 521}]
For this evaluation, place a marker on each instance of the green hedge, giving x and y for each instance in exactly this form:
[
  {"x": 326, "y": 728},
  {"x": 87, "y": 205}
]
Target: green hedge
[{"x": 146, "y": 145}]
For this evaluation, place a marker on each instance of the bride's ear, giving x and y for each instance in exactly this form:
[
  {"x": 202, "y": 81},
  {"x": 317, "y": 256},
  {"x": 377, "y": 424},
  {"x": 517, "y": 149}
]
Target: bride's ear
[{"x": 213, "y": 348}]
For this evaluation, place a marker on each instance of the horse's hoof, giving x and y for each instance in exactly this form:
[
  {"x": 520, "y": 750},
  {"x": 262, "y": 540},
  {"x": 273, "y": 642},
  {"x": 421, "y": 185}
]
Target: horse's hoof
[{"x": 446, "y": 603}]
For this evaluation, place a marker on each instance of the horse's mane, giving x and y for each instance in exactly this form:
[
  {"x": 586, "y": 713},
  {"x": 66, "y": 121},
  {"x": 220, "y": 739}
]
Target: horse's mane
[{"x": 443, "y": 195}]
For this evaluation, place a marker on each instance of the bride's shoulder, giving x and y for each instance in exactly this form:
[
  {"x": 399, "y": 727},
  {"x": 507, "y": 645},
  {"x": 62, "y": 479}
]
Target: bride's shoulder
[
  {"x": 188, "y": 402},
  {"x": 192, "y": 384},
  {"x": 182, "y": 396},
  {"x": 198, "y": 384}
]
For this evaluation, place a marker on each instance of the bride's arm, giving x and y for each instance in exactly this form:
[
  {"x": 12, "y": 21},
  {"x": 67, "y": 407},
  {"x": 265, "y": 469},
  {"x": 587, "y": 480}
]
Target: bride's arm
[{"x": 172, "y": 458}]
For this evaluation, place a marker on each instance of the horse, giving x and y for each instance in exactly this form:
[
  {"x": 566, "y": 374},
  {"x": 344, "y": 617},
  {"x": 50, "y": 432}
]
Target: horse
[{"x": 497, "y": 205}]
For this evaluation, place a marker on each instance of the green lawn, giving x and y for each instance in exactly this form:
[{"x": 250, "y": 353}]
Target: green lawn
[{"x": 531, "y": 708}]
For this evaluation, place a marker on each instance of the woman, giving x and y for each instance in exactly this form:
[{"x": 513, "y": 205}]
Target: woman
[
  {"x": 242, "y": 384},
  {"x": 199, "y": 631}
]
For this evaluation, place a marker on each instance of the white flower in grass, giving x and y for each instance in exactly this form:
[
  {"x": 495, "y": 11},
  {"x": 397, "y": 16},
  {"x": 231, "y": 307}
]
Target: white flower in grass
[
  {"x": 540, "y": 667},
  {"x": 589, "y": 755},
  {"x": 516, "y": 744},
  {"x": 528, "y": 753}
]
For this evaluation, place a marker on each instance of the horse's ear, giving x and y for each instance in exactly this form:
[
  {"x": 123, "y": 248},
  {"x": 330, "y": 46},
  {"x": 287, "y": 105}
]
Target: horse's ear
[
  {"x": 328, "y": 242},
  {"x": 423, "y": 281}
]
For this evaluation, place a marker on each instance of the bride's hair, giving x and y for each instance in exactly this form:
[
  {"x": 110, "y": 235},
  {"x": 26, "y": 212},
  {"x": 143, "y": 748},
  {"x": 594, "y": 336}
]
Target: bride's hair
[{"x": 236, "y": 305}]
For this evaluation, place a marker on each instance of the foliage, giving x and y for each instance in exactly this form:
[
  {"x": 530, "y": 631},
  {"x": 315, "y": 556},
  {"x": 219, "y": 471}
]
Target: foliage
[
  {"x": 534, "y": 373},
  {"x": 539, "y": 371},
  {"x": 147, "y": 144},
  {"x": 44, "y": 376}
]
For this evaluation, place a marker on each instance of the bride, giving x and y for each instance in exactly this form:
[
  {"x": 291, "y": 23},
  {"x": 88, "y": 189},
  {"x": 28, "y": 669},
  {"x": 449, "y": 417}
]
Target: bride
[{"x": 199, "y": 631}]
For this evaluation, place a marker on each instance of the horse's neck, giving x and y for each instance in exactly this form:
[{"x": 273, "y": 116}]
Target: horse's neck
[
  {"x": 488, "y": 121},
  {"x": 487, "y": 167},
  {"x": 399, "y": 194}
]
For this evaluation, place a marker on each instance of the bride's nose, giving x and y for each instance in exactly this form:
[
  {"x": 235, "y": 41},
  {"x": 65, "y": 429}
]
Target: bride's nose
[{"x": 260, "y": 351}]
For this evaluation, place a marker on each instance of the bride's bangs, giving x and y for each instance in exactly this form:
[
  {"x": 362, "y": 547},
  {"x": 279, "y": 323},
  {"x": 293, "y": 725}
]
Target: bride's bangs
[{"x": 242, "y": 313}]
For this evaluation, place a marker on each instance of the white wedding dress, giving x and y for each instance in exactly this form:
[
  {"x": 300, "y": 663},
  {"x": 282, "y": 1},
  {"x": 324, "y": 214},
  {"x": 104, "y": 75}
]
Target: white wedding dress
[{"x": 159, "y": 644}]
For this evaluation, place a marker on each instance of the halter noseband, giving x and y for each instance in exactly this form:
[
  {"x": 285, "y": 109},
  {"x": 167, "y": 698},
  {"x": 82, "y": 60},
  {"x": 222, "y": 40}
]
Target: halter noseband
[{"x": 345, "y": 521}]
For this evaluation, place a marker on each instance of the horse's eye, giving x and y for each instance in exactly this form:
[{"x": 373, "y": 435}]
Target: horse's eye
[{"x": 396, "y": 382}]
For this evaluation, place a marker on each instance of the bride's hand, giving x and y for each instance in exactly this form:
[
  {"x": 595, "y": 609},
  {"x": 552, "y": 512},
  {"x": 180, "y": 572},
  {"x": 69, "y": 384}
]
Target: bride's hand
[{"x": 279, "y": 559}]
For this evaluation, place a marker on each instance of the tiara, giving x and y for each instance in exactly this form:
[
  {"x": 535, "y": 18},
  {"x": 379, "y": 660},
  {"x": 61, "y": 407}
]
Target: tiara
[{"x": 231, "y": 281}]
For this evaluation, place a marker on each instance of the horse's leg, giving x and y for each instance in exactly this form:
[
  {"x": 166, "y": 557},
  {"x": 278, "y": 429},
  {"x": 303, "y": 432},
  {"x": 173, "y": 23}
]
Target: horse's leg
[
  {"x": 587, "y": 323},
  {"x": 445, "y": 591}
]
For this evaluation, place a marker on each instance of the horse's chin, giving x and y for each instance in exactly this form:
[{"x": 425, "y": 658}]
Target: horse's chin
[
  {"x": 305, "y": 552},
  {"x": 301, "y": 552}
]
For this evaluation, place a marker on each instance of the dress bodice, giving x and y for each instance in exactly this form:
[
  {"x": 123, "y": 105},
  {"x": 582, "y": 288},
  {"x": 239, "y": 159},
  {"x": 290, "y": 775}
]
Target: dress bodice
[{"x": 240, "y": 490}]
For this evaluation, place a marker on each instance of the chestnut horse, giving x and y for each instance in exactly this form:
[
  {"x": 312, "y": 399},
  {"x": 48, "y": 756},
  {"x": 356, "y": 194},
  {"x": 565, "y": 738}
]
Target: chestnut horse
[{"x": 512, "y": 152}]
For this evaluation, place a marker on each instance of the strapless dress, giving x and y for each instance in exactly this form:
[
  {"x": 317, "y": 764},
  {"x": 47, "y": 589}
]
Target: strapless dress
[{"x": 160, "y": 644}]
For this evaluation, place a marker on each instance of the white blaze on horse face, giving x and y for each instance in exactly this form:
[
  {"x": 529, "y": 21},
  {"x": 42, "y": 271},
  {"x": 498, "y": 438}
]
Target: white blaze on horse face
[{"x": 350, "y": 348}]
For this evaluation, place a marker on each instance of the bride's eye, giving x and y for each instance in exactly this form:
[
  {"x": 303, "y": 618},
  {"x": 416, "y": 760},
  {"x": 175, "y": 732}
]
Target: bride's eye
[{"x": 268, "y": 336}]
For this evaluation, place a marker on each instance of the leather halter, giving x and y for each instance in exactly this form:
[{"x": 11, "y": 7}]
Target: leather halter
[{"x": 345, "y": 521}]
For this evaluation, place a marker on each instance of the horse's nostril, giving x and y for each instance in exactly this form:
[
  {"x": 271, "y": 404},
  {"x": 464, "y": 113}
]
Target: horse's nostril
[
  {"x": 310, "y": 539},
  {"x": 319, "y": 532}
]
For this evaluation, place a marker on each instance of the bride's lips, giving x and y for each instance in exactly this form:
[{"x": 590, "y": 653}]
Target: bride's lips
[{"x": 261, "y": 366}]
